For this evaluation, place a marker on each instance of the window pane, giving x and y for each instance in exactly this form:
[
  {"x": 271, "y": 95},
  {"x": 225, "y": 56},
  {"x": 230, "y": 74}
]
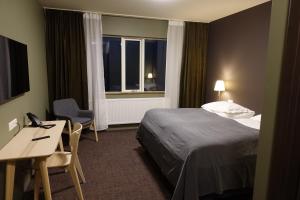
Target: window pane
[
  {"x": 155, "y": 65},
  {"x": 132, "y": 67},
  {"x": 112, "y": 63}
]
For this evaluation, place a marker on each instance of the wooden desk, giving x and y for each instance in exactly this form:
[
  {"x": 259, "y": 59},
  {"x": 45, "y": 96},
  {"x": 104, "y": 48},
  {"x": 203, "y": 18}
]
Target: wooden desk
[{"x": 22, "y": 147}]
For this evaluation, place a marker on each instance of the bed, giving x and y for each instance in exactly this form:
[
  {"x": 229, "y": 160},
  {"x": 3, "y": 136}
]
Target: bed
[{"x": 198, "y": 151}]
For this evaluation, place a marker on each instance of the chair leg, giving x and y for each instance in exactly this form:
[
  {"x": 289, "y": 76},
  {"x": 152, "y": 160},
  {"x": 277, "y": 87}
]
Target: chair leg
[
  {"x": 69, "y": 127},
  {"x": 37, "y": 184},
  {"x": 61, "y": 145},
  {"x": 79, "y": 169},
  {"x": 95, "y": 131},
  {"x": 76, "y": 182}
]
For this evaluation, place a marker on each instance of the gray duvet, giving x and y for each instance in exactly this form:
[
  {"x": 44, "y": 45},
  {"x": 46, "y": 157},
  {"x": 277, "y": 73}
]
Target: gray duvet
[{"x": 199, "y": 152}]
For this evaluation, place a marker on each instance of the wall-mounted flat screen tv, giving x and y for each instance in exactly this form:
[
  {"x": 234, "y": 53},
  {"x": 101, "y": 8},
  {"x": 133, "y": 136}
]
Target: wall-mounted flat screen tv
[{"x": 14, "y": 78}]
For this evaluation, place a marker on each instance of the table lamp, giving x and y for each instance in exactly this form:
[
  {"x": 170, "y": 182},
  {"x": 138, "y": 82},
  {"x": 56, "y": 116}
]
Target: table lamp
[
  {"x": 150, "y": 75},
  {"x": 219, "y": 87}
]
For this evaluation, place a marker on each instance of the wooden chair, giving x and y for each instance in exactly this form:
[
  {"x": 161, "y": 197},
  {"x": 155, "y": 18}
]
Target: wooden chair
[
  {"x": 68, "y": 131},
  {"x": 66, "y": 160}
]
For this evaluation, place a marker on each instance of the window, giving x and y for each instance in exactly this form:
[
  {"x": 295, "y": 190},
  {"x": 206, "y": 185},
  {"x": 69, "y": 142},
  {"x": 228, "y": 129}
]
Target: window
[
  {"x": 134, "y": 65},
  {"x": 155, "y": 65},
  {"x": 112, "y": 63},
  {"x": 131, "y": 65}
]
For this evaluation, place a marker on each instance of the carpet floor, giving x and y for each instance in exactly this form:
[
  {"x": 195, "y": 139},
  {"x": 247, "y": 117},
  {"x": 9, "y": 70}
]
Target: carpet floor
[{"x": 116, "y": 168}]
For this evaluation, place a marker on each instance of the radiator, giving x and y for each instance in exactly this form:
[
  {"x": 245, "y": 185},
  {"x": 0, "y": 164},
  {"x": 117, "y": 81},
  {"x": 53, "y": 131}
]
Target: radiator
[{"x": 131, "y": 110}]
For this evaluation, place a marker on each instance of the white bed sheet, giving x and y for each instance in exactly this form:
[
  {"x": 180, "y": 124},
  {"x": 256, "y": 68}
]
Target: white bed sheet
[{"x": 252, "y": 123}]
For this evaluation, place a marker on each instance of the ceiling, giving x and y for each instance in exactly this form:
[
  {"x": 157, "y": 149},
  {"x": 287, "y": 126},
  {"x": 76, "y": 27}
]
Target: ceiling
[{"x": 187, "y": 10}]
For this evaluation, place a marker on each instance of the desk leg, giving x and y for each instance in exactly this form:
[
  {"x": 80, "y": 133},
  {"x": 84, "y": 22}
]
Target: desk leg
[
  {"x": 10, "y": 178},
  {"x": 45, "y": 178},
  {"x": 37, "y": 184}
]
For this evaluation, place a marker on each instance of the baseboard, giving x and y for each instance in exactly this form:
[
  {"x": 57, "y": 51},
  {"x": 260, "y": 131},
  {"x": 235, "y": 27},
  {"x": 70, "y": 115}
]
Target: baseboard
[{"x": 119, "y": 127}]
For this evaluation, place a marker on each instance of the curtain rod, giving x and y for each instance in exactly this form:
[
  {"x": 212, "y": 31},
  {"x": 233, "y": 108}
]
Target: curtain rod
[{"x": 114, "y": 14}]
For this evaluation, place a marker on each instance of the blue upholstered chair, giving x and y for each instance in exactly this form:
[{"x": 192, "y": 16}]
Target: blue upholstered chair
[{"x": 68, "y": 109}]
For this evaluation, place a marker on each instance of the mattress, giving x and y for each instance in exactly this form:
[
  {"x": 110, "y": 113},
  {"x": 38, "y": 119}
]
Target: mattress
[{"x": 198, "y": 151}]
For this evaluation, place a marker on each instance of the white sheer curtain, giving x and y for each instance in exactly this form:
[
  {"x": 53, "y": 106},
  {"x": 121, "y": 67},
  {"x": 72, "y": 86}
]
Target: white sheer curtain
[
  {"x": 174, "y": 59},
  {"x": 95, "y": 69}
]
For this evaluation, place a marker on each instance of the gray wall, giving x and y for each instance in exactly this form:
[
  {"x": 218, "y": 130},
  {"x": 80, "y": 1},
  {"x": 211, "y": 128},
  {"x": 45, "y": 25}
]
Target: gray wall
[
  {"x": 135, "y": 27},
  {"x": 23, "y": 21},
  {"x": 237, "y": 53}
]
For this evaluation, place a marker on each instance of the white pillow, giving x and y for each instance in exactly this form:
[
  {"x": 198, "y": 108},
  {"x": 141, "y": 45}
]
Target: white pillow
[
  {"x": 256, "y": 117},
  {"x": 228, "y": 109},
  {"x": 225, "y": 107}
]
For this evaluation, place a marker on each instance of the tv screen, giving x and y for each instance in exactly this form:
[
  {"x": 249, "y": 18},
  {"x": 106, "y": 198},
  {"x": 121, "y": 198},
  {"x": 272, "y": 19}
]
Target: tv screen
[{"x": 14, "y": 78}]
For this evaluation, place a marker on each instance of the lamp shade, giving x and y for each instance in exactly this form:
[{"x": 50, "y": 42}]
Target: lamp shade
[
  {"x": 149, "y": 75},
  {"x": 219, "y": 86}
]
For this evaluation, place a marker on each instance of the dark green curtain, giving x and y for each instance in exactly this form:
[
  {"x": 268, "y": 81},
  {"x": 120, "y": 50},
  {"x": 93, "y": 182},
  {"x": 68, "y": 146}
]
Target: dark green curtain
[
  {"x": 66, "y": 57},
  {"x": 193, "y": 72}
]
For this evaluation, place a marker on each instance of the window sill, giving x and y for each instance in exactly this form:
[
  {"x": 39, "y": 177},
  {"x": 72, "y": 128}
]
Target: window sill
[{"x": 147, "y": 94}]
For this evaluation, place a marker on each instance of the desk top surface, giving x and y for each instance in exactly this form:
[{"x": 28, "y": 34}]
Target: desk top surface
[{"x": 21, "y": 146}]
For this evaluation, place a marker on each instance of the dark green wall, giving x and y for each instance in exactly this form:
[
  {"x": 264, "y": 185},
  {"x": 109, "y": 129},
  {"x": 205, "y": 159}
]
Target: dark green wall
[
  {"x": 23, "y": 21},
  {"x": 274, "y": 60}
]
